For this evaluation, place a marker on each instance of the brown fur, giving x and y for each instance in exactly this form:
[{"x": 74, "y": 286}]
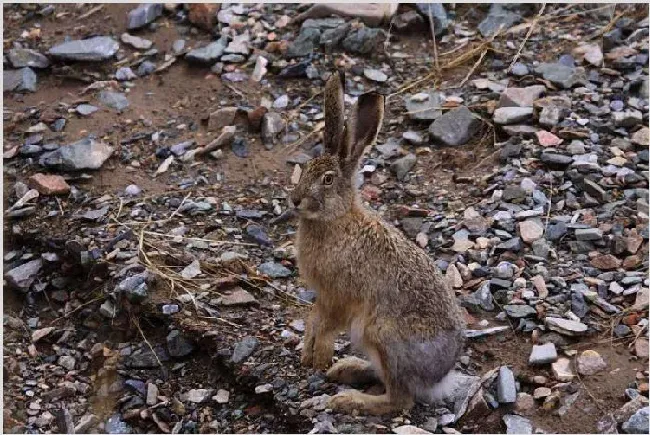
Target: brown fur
[{"x": 369, "y": 278}]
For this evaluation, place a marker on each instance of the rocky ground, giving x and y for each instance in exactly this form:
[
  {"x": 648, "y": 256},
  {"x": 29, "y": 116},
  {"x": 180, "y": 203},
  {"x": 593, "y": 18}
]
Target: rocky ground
[{"x": 149, "y": 271}]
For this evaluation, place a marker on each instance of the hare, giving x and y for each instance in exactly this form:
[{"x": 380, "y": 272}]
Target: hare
[{"x": 369, "y": 278}]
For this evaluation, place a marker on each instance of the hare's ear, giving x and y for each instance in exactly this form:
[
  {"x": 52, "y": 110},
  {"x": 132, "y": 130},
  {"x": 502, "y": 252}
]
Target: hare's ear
[
  {"x": 334, "y": 113},
  {"x": 362, "y": 127}
]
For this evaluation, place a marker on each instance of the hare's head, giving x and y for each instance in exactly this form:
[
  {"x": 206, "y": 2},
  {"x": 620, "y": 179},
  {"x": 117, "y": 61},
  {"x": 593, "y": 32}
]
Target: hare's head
[{"x": 326, "y": 189}]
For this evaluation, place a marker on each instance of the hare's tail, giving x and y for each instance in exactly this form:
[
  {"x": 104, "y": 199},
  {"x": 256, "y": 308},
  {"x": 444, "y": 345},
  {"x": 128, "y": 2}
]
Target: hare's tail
[{"x": 443, "y": 391}]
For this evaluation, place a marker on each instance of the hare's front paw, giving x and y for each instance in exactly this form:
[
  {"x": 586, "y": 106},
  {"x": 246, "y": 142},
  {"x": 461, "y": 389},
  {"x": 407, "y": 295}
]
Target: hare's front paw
[
  {"x": 307, "y": 357},
  {"x": 347, "y": 401}
]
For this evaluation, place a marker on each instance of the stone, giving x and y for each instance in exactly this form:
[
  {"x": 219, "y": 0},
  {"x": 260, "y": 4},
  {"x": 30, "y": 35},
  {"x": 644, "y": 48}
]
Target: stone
[
  {"x": 627, "y": 118},
  {"x": 274, "y": 270},
  {"x": 435, "y": 11},
  {"x": 424, "y": 106},
  {"x": 209, "y": 54},
  {"x": 637, "y": 423},
  {"x": 550, "y": 116},
  {"x": 591, "y": 53},
  {"x": 588, "y": 234},
  {"x": 123, "y": 74},
  {"x": 271, "y": 127},
  {"x": 562, "y": 370},
  {"x": 222, "y": 118},
  {"x": 152, "y": 394},
  {"x": 281, "y": 102},
  {"x": 642, "y": 137},
  {"x": 606, "y": 262},
  {"x": 237, "y": 298},
  {"x": 402, "y": 166},
  {"x": 177, "y": 345},
  {"x": 641, "y": 347},
  {"x": 144, "y": 14},
  {"x": 222, "y": 396},
  {"x": 516, "y": 424},
  {"x": 543, "y": 354},
  {"x": 19, "y": 80},
  {"x": 67, "y": 362},
  {"x": 548, "y": 139},
  {"x": 512, "y": 115},
  {"x": 590, "y": 362},
  {"x": 192, "y": 270},
  {"x": 566, "y": 327},
  {"x": 244, "y": 349},
  {"x": 239, "y": 45},
  {"x": 506, "y": 388},
  {"x": 525, "y": 404},
  {"x": 86, "y": 109},
  {"x": 556, "y": 161},
  {"x": 23, "y": 276},
  {"x": 595, "y": 191},
  {"x": 456, "y": 127},
  {"x": 519, "y": 311},
  {"x": 85, "y": 154},
  {"x": 136, "y": 41},
  {"x": 362, "y": 41},
  {"x": 86, "y": 422},
  {"x": 409, "y": 429},
  {"x": 375, "y": 75},
  {"x": 198, "y": 395},
  {"x": 49, "y": 184},
  {"x": 25, "y": 57},
  {"x": 304, "y": 44},
  {"x": 561, "y": 75},
  {"x": 521, "y": 97},
  {"x": 260, "y": 69},
  {"x": 519, "y": 69},
  {"x": 96, "y": 49},
  {"x": 114, "y": 100},
  {"x": 531, "y": 230},
  {"x": 498, "y": 18},
  {"x": 541, "y": 393}
]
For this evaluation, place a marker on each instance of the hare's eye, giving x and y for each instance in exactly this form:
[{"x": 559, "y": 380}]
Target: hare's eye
[{"x": 328, "y": 179}]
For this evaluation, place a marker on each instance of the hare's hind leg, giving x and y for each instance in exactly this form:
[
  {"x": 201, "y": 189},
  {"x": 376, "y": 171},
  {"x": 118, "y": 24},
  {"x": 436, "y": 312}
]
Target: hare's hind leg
[{"x": 352, "y": 370}]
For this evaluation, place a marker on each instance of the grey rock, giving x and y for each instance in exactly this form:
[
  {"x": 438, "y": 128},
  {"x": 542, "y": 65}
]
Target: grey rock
[
  {"x": 86, "y": 109},
  {"x": 561, "y": 75},
  {"x": 239, "y": 147},
  {"x": 244, "y": 349},
  {"x": 67, "y": 362},
  {"x": 144, "y": 14},
  {"x": 481, "y": 298},
  {"x": 304, "y": 44},
  {"x": 589, "y": 234},
  {"x": 506, "y": 387},
  {"x": 512, "y": 115},
  {"x": 125, "y": 73},
  {"x": 145, "y": 69},
  {"x": 556, "y": 161},
  {"x": 85, "y": 154},
  {"x": 424, "y": 106},
  {"x": 516, "y": 424},
  {"x": 208, "y": 54},
  {"x": 455, "y": 127},
  {"x": 331, "y": 38},
  {"x": 19, "y": 80},
  {"x": 107, "y": 309},
  {"x": 402, "y": 166},
  {"x": 274, "y": 270},
  {"x": 322, "y": 24},
  {"x": 94, "y": 49},
  {"x": 437, "y": 12},
  {"x": 198, "y": 395},
  {"x": 564, "y": 326},
  {"x": 362, "y": 41},
  {"x": 627, "y": 118},
  {"x": 23, "y": 276},
  {"x": 132, "y": 190},
  {"x": 519, "y": 69},
  {"x": 375, "y": 75},
  {"x": 519, "y": 311},
  {"x": 550, "y": 116},
  {"x": 272, "y": 126},
  {"x": 233, "y": 58},
  {"x": 136, "y": 41},
  {"x": 178, "y": 46},
  {"x": 114, "y": 100},
  {"x": 239, "y": 45},
  {"x": 555, "y": 231},
  {"x": 496, "y": 18},
  {"x": 178, "y": 345},
  {"x": 115, "y": 425},
  {"x": 543, "y": 354},
  {"x": 134, "y": 287},
  {"x": 25, "y": 57},
  {"x": 637, "y": 423},
  {"x": 595, "y": 191}
]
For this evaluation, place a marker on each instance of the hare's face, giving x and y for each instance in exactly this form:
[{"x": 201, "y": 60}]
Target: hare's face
[{"x": 323, "y": 193}]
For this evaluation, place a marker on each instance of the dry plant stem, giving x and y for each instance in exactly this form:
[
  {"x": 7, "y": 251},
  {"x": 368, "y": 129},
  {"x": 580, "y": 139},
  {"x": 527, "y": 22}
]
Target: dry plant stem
[
  {"x": 608, "y": 27},
  {"x": 530, "y": 31},
  {"x": 137, "y": 325},
  {"x": 435, "y": 46},
  {"x": 469, "y": 74}
]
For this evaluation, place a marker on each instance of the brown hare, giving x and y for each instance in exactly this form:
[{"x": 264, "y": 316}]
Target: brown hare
[{"x": 370, "y": 280}]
